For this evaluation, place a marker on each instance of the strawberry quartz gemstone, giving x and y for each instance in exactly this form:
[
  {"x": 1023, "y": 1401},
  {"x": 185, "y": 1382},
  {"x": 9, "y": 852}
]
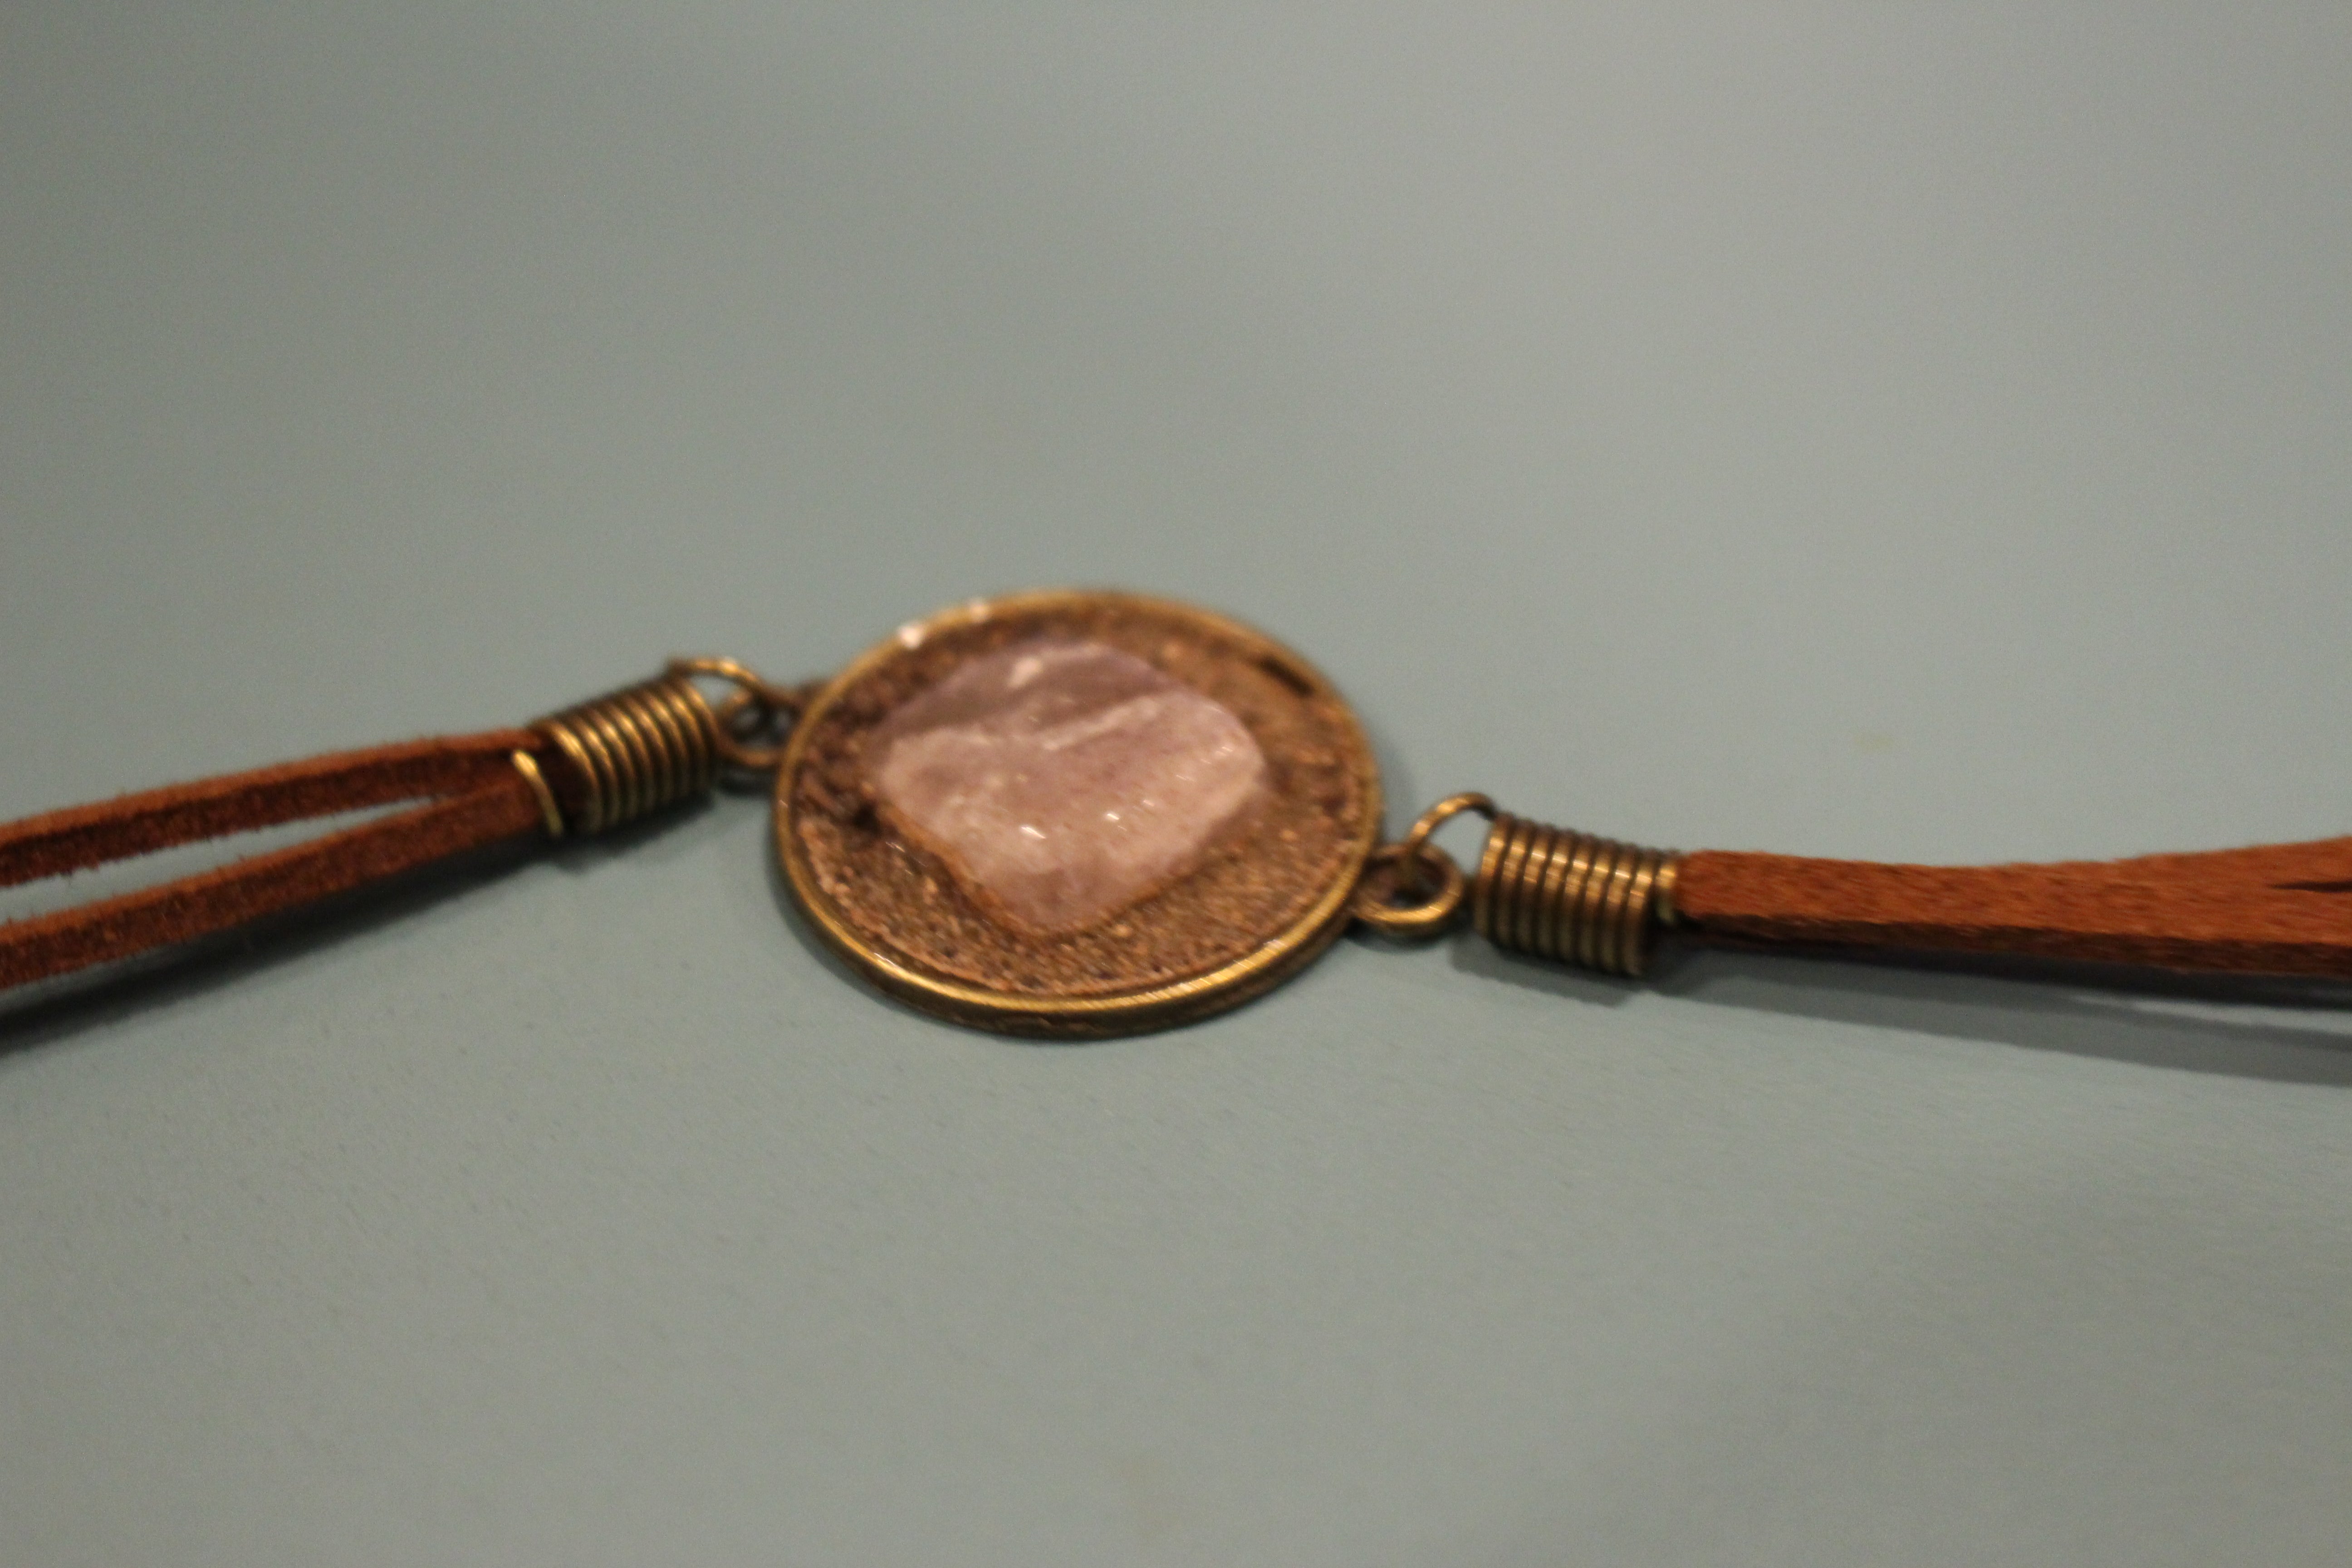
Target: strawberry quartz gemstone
[{"x": 1062, "y": 781}]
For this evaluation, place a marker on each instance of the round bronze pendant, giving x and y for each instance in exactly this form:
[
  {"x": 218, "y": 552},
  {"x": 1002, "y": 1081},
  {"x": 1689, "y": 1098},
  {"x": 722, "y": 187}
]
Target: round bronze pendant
[{"x": 1263, "y": 896}]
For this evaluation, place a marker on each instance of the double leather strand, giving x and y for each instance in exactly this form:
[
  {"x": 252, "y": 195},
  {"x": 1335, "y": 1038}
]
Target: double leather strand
[
  {"x": 578, "y": 771},
  {"x": 477, "y": 797}
]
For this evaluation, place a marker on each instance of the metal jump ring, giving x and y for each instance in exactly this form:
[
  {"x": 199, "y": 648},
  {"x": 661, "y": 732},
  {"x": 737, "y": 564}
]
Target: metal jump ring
[
  {"x": 1443, "y": 812},
  {"x": 1418, "y": 870},
  {"x": 1386, "y": 871},
  {"x": 767, "y": 703}
]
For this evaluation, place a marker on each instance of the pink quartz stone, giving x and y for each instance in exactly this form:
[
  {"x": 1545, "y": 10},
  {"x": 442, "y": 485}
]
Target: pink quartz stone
[{"x": 1064, "y": 779}]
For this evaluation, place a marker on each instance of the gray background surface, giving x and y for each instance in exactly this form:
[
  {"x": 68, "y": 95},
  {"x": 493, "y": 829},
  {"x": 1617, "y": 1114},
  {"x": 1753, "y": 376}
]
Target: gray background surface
[{"x": 1914, "y": 432}]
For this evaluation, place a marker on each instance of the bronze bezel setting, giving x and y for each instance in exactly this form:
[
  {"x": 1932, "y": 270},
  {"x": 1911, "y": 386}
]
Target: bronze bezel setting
[{"x": 1324, "y": 818}]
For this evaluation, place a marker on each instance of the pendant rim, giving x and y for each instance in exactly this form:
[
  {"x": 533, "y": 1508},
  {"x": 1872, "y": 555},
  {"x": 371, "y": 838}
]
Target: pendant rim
[{"x": 1268, "y": 957}]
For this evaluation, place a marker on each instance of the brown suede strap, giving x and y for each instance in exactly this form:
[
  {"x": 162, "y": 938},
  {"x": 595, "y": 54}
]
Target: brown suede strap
[
  {"x": 476, "y": 796},
  {"x": 2282, "y": 908},
  {"x": 2276, "y": 909}
]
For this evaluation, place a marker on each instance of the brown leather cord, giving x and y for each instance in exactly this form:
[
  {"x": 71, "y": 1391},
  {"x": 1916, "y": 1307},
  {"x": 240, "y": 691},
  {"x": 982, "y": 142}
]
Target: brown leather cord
[
  {"x": 2281, "y": 909},
  {"x": 2275, "y": 908},
  {"x": 477, "y": 797}
]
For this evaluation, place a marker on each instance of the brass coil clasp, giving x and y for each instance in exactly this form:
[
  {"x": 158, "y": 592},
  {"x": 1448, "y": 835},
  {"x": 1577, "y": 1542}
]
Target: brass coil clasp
[
  {"x": 1593, "y": 902},
  {"x": 618, "y": 757}
]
